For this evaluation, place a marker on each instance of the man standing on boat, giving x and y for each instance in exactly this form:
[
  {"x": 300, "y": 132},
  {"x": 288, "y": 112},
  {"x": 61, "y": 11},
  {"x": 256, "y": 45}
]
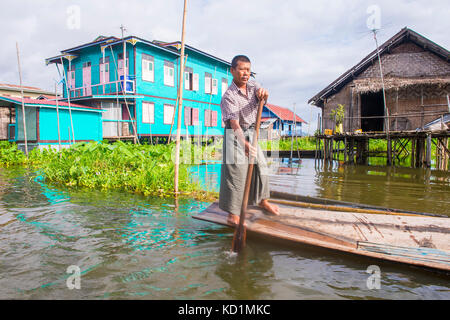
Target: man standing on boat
[{"x": 239, "y": 107}]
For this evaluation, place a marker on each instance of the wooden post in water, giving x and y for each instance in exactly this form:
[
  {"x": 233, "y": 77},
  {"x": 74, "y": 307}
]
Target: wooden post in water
[
  {"x": 428, "y": 152},
  {"x": 23, "y": 104},
  {"x": 345, "y": 150},
  {"x": 413, "y": 151},
  {"x": 180, "y": 103}
]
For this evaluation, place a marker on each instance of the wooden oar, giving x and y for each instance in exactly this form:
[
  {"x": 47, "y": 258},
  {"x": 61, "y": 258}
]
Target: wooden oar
[{"x": 240, "y": 232}]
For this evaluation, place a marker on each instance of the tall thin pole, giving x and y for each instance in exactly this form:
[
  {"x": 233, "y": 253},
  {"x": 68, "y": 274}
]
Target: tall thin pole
[
  {"x": 180, "y": 102},
  {"x": 292, "y": 134},
  {"x": 57, "y": 117},
  {"x": 386, "y": 120},
  {"x": 386, "y": 115},
  {"x": 23, "y": 104},
  {"x": 68, "y": 97}
]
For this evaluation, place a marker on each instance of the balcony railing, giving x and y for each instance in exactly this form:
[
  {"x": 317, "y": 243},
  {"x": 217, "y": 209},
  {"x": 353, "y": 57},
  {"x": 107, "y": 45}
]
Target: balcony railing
[{"x": 114, "y": 87}]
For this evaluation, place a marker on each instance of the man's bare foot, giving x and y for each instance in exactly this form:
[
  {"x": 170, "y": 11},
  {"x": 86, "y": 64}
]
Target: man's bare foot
[
  {"x": 271, "y": 208},
  {"x": 234, "y": 220}
]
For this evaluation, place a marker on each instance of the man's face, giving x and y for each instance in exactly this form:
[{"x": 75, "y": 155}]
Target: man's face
[{"x": 241, "y": 74}]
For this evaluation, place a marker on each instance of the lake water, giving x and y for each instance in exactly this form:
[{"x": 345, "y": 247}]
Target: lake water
[{"x": 128, "y": 246}]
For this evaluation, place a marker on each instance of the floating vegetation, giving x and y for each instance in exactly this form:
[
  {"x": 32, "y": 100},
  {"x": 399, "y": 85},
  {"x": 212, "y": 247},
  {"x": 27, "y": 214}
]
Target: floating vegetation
[
  {"x": 302, "y": 143},
  {"x": 144, "y": 169}
]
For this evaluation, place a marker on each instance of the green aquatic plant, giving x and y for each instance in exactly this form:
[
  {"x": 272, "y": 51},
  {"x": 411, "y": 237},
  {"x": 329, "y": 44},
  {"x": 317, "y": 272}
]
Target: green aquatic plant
[
  {"x": 145, "y": 169},
  {"x": 10, "y": 154}
]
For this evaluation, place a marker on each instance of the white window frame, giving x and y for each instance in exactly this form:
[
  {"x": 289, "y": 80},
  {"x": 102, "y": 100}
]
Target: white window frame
[
  {"x": 214, "y": 86},
  {"x": 148, "y": 112},
  {"x": 188, "y": 79},
  {"x": 148, "y": 75},
  {"x": 168, "y": 79},
  {"x": 168, "y": 113},
  {"x": 224, "y": 85},
  {"x": 195, "y": 82},
  {"x": 208, "y": 83}
]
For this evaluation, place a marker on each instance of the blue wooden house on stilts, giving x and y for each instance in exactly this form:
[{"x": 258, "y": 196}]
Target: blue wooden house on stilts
[{"x": 139, "y": 96}]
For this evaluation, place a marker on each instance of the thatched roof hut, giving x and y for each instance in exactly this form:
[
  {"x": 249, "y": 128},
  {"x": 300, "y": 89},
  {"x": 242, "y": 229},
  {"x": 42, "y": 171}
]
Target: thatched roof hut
[{"x": 416, "y": 78}]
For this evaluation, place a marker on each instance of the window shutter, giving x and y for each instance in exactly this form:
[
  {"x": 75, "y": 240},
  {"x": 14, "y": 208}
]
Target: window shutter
[
  {"x": 168, "y": 113},
  {"x": 207, "y": 82},
  {"x": 195, "y": 82},
  {"x": 224, "y": 85},
  {"x": 214, "y": 86},
  {"x": 187, "y": 116},
  {"x": 207, "y": 118},
  {"x": 195, "y": 116},
  {"x": 213, "y": 118}
]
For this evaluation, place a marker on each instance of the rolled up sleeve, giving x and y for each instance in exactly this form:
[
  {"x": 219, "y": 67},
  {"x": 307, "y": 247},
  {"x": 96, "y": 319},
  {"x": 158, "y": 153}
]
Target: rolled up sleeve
[{"x": 229, "y": 108}]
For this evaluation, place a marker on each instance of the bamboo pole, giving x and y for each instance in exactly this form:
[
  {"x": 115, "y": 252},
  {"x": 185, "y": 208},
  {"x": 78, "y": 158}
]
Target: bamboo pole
[
  {"x": 57, "y": 117},
  {"x": 23, "y": 104},
  {"x": 240, "y": 232},
  {"x": 340, "y": 208},
  {"x": 180, "y": 103},
  {"x": 68, "y": 98}
]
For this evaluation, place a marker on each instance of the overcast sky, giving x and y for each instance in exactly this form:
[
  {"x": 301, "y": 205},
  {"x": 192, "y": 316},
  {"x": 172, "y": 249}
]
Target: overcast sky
[{"x": 296, "y": 47}]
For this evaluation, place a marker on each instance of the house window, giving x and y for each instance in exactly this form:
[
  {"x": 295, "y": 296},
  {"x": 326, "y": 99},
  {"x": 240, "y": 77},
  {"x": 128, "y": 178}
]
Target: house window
[
  {"x": 104, "y": 70},
  {"x": 214, "y": 86},
  {"x": 208, "y": 78},
  {"x": 210, "y": 118},
  {"x": 188, "y": 79},
  {"x": 169, "y": 78},
  {"x": 71, "y": 76},
  {"x": 224, "y": 85},
  {"x": 168, "y": 113},
  {"x": 120, "y": 63},
  {"x": 148, "y": 68},
  {"x": 148, "y": 112}
]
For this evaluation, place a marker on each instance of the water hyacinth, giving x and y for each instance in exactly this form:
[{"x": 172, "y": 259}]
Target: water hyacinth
[{"x": 145, "y": 169}]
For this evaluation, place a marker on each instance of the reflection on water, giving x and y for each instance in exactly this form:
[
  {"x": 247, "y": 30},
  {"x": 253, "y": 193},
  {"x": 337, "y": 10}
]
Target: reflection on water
[
  {"x": 421, "y": 190},
  {"x": 133, "y": 247}
]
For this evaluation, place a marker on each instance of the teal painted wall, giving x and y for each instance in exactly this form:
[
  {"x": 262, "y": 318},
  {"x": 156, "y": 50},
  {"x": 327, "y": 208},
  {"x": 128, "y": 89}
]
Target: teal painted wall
[
  {"x": 93, "y": 55},
  {"x": 159, "y": 94},
  {"x": 87, "y": 125}
]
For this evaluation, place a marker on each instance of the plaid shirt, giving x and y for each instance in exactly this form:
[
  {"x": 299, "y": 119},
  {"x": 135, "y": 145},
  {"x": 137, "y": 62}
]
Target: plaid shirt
[{"x": 237, "y": 106}]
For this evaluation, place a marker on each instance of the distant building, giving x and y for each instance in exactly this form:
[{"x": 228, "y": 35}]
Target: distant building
[
  {"x": 282, "y": 121},
  {"x": 417, "y": 84},
  {"x": 8, "y": 111},
  {"x": 42, "y": 122}
]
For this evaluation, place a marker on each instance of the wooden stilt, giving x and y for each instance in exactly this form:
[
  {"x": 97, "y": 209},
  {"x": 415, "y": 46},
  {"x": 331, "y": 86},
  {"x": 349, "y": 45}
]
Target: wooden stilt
[{"x": 428, "y": 151}]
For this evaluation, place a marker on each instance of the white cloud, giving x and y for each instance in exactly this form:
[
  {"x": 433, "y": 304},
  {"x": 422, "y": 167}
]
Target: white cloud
[{"x": 296, "y": 47}]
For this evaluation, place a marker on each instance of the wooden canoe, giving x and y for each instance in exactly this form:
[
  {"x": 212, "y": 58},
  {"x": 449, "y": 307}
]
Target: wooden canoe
[{"x": 401, "y": 237}]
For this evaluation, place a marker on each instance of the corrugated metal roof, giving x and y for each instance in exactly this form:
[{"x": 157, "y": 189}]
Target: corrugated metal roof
[
  {"x": 43, "y": 102},
  {"x": 284, "y": 113},
  {"x": 15, "y": 87}
]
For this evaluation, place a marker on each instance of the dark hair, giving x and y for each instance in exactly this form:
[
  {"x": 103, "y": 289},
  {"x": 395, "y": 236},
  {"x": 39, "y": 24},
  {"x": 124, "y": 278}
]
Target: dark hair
[{"x": 238, "y": 58}]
